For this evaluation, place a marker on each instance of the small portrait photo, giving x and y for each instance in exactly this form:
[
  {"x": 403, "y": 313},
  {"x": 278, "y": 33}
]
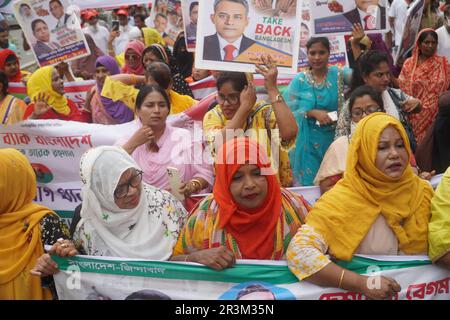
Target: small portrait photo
[{"x": 257, "y": 290}]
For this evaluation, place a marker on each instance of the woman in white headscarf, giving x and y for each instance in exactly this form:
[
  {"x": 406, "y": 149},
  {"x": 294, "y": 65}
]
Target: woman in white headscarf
[{"x": 120, "y": 216}]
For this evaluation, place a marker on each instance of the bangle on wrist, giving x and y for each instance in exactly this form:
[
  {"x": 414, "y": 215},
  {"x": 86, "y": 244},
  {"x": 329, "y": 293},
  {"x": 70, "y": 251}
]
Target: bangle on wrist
[{"x": 341, "y": 278}]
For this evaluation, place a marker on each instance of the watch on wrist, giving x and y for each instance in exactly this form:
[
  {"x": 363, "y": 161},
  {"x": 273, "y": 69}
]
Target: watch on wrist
[{"x": 278, "y": 98}]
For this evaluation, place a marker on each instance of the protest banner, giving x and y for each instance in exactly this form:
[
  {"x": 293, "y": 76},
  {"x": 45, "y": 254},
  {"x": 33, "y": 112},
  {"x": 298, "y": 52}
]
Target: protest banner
[
  {"x": 338, "y": 54},
  {"x": 412, "y": 25},
  {"x": 233, "y": 36},
  {"x": 107, "y": 278},
  {"x": 53, "y": 34},
  {"x": 75, "y": 91},
  {"x": 190, "y": 17},
  {"x": 336, "y": 17},
  {"x": 166, "y": 17}
]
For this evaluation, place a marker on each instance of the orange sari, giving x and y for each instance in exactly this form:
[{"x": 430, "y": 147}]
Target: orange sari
[{"x": 425, "y": 82}]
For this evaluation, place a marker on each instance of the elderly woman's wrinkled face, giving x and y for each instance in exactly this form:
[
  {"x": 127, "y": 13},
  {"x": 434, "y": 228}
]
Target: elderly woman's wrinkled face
[
  {"x": 248, "y": 187},
  {"x": 428, "y": 46},
  {"x": 392, "y": 156},
  {"x": 154, "y": 110},
  {"x": 128, "y": 190}
]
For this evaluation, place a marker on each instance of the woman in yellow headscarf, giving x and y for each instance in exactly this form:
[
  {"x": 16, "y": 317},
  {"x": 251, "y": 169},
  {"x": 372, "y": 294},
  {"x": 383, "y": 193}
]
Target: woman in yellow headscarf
[
  {"x": 46, "y": 91},
  {"x": 25, "y": 228},
  {"x": 439, "y": 227},
  {"x": 380, "y": 207}
]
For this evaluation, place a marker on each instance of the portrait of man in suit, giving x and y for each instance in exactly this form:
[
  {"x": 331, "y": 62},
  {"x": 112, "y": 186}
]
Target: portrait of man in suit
[
  {"x": 57, "y": 10},
  {"x": 41, "y": 33},
  {"x": 230, "y": 18},
  {"x": 369, "y": 13}
]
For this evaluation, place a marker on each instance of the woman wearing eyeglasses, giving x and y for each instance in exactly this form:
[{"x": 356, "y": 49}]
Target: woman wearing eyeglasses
[
  {"x": 120, "y": 215},
  {"x": 133, "y": 58},
  {"x": 271, "y": 123}
]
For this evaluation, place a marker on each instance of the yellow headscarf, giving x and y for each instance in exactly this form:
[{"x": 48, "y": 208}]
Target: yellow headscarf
[
  {"x": 20, "y": 234},
  {"x": 152, "y": 36},
  {"x": 345, "y": 214},
  {"x": 41, "y": 81},
  {"x": 439, "y": 227}
]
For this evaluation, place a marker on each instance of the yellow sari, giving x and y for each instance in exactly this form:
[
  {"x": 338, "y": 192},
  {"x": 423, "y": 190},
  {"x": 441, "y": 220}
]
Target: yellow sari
[
  {"x": 20, "y": 234},
  {"x": 344, "y": 214},
  {"x": 11, "y": 110}
]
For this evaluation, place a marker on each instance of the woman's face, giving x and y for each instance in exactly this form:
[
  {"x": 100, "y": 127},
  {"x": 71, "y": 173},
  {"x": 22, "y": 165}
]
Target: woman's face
[
  {"x": 318, "y": 56},
  {"x": 154, "y": 110},
  {"x": 100, "y": 74},
  {"x": 130, "y": 180},
  {"x": 248, "y": 187},
  {"x": 132, "y": 58},
  {"x": 149, "y": 57},
  {"x": 379, "y": 78},
  {"x": 199, "y": 74},
  {"x": 392, "y": 157},
  {"x": 57, "y": 82},
  {"x": 428, "y": 46},
  {"x": 229, "y": 100},
  {"x": 11, "y": 68},
  {"x": 362, "y": 107}
]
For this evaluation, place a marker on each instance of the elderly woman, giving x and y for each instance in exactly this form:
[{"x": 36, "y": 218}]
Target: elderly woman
[
  {"x": 438, "y": 229},
  {"x": 248, "y": 216},
  {"x": 380, "y": 207},
  {"x": 25, "y": 228},
  {"x": 270, "y": 123},
  {"x": 120, "y": 215},
  {"x": 155, "y": 146},
  {"x": 46, "y": 91},
  {"x": 425, "y": 76}
]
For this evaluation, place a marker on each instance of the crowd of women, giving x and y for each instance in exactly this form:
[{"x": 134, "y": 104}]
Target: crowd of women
[{"x": 372, "y": 165}]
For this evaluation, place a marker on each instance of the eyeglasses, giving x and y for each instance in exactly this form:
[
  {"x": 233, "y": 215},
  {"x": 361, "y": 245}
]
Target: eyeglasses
[
  {"x": 131, "y": 57},
  {"x": 122, "y": 190},
  {"x": 359, "y": 112},
  {"x": 233, "y": 98}
]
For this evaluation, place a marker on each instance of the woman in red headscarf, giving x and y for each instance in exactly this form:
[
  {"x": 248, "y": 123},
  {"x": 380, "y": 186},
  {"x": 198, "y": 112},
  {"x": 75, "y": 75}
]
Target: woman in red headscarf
[
  {"x": 9, "y": 64},
  {"x": 133, "y": 58},
  {"x": 248, "y": 216},
  {"x": 425, "y": 76}
]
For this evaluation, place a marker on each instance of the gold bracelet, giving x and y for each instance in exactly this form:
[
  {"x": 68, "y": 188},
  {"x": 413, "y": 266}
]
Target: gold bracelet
[{"x": 342, "y": 277}]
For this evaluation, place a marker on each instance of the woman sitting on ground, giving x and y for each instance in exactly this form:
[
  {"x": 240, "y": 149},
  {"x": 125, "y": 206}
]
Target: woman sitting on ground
[
  {"x": 380, "y": 207},
  {"x": 248, "y": 216}
]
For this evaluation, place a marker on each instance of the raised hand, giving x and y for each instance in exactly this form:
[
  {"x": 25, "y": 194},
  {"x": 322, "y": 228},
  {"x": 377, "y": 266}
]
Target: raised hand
[
  {"x": 41, "y": 105},
  {"x": 268, "y": 69}
]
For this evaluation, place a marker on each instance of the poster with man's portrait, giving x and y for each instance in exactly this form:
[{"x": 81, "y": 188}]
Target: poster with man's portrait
[
  {"x": 338, "y": 55},
  {"x": 52, "y": 30},
  {"x": 333, "y": 17},
  {"x": 190, "y": 17},
  {"x": 234, "y": 34},
  {"x": 412, "y": 25},
  {"x": 167, "y": 18}
]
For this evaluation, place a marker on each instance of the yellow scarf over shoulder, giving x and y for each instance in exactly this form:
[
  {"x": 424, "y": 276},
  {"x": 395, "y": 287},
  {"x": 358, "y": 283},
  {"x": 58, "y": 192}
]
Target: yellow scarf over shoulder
[
  {"x": 439, "y": 227},
  {"x": 345, "y": 214},
  {"x": 41, "y": 82},
  {"x": 20, "y": 234}
]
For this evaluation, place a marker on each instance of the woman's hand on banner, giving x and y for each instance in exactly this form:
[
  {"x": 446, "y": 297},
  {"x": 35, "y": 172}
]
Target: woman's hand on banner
[
  {"x": 215, "y": 258},
  {"x": 357, "y": 32}
]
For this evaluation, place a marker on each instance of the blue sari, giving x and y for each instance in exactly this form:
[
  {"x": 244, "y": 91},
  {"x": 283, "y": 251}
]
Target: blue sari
[{"x": 313, "y": 140}]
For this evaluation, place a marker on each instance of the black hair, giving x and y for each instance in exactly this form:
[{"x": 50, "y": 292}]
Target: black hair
[
  {"x": 140, "y": 16},
  {"x": 35, "y": 22},
  {"x": 304, "y": 25},
  {"x": 447, "y": 10},
  {"x": 425, "y": 34},
  {"x": 243, "y": 2},
  {"x": 366, "y": 64},
  {"x": 4, "y": 82},
  {"x": 11, "y": 58},
  {"x": 24, "y": 5},
  {"x": 148, "y": 295},
  {"x": 238, "y": 80},
  {"x": 57, "y": 1},
  {"x": 362, "y": 91},
  {"x": 144, "y": 91},
  {"x": 192, "y": 5},
  {"x": 252, "y": 288},
  {"x": 324, "y": 41},
  {"x": 160, "y": 72}
]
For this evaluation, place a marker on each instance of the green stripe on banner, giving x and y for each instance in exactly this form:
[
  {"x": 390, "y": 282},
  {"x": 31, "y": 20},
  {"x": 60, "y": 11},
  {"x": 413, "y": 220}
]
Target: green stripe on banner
[
  {"x": 274, "y": 274},
  {"x": 65, "y": 214}
]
